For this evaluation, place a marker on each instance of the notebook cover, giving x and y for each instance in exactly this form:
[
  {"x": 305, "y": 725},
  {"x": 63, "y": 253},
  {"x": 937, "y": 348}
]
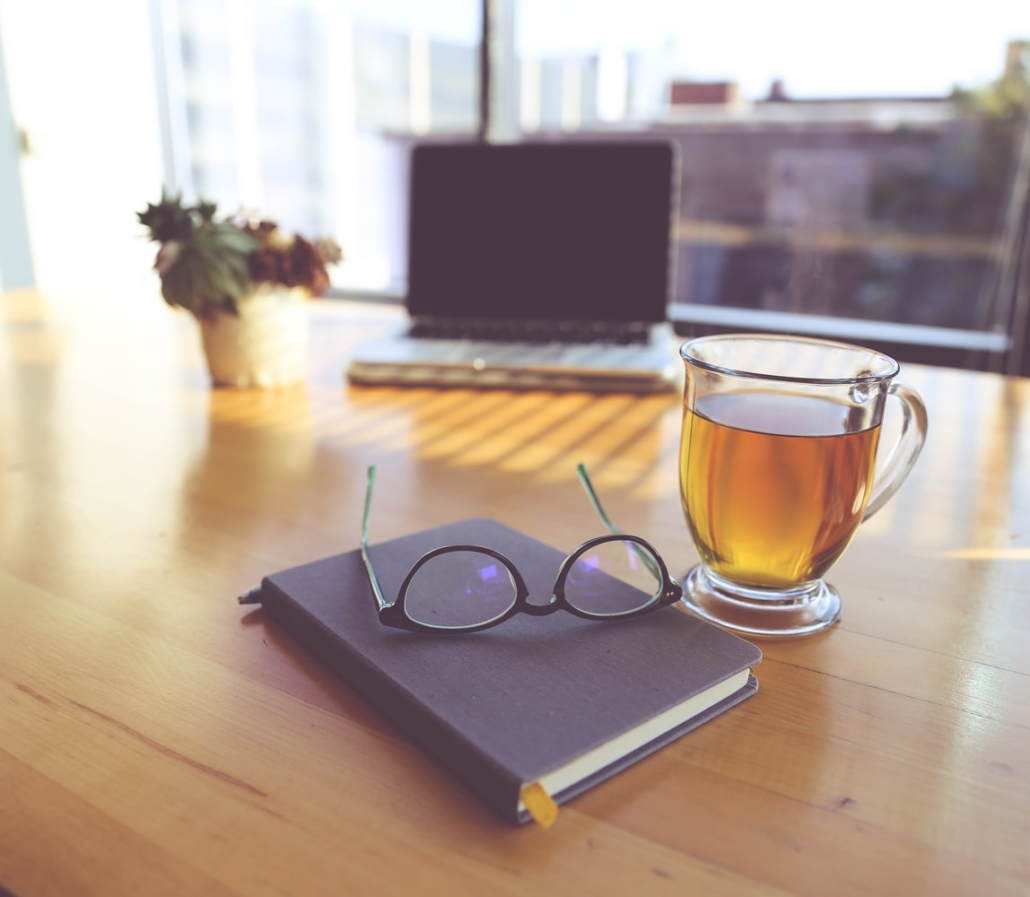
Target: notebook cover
[{"x": 502, "y": 707}]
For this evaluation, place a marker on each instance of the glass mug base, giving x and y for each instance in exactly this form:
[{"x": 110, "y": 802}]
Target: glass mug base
[{"x": 760, "y": 612}]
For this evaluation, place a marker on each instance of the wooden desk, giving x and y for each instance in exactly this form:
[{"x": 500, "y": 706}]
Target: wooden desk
[{"x": 157, "y": 738}]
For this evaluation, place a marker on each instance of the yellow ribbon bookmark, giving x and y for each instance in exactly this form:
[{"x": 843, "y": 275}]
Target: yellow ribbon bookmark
[{"x": 539, "y": 804}]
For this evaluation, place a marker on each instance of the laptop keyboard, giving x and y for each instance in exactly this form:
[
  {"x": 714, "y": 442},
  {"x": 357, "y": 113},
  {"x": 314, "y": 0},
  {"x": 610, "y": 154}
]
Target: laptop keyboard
[
  {"x": 534, "y": 332},
  {"x": 518, "y": 355}
]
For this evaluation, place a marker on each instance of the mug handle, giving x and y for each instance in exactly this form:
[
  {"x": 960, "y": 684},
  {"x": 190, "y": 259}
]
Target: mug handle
[{"x": 905, "y": 450}]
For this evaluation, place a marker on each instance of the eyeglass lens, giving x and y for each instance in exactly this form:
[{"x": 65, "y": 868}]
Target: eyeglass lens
[
  {"x": 613, "y": 578},
  {"x": 459, "y": 589}
]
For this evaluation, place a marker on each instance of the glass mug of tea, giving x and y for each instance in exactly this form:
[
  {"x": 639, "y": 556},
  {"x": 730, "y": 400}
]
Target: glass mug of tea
[{"x": 778, "y": 470}]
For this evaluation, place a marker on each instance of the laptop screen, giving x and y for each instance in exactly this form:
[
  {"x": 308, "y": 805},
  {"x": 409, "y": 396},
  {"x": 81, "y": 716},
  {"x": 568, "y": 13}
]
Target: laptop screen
[{"x": 552, "y": 231}]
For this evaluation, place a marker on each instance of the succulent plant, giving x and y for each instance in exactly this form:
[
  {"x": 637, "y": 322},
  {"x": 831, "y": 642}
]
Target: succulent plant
[{"x": 208, "y": 266}]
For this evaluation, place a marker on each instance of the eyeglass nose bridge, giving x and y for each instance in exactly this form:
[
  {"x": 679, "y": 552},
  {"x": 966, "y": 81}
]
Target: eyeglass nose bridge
[{"x": 542, "y": 610}]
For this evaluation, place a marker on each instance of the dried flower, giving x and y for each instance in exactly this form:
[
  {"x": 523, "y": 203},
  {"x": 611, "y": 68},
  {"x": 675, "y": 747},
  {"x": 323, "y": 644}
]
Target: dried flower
[{"x": 207, "y": 266}]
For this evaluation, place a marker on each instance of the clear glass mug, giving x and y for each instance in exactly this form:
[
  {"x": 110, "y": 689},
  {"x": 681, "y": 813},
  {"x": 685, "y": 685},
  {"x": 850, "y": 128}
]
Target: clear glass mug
[{"x": 778, "y": 470}]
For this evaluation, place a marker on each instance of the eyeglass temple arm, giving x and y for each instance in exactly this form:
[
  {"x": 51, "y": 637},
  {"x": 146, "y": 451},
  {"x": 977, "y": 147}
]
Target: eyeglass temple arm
[
  {"x": 372, "y": 578},
  {"x": 584, "y": 479}
]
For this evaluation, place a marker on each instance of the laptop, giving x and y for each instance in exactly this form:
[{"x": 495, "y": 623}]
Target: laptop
[{"x": 536, "y": 266}]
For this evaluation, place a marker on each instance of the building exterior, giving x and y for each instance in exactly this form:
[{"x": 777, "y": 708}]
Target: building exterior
[{"x": 874, "y": 209}]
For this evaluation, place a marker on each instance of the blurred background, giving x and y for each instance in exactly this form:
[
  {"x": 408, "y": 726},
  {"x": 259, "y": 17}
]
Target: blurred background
[{"x": 853, "y": 170}]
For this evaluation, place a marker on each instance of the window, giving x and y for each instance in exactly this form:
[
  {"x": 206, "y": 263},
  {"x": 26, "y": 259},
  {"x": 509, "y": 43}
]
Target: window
[
  {"x": 854, "y": 170},
  {"x": 304, "y": 110},
  {"x": 82, "y": 101}
]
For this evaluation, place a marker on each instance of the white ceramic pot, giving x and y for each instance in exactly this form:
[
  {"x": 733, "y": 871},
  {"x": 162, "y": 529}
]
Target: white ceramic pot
[{"x": 265, "y": 345}]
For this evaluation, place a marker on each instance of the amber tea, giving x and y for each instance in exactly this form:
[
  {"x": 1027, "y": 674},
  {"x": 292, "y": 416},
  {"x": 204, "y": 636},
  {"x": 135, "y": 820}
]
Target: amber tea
[
  {"x": 778, "y": 470},
  {"x": 773, "y": 484}
]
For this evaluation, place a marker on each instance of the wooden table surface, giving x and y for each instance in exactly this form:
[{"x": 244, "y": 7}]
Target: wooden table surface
[{"x": 157, "y": 738}]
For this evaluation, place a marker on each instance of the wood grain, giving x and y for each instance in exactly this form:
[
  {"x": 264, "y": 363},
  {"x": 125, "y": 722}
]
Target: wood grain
[{"x": 156, "y": 738}]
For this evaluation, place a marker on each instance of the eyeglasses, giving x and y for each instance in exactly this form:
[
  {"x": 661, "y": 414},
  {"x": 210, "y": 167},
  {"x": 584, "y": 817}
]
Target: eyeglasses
[{"x": 465, "y": 588}]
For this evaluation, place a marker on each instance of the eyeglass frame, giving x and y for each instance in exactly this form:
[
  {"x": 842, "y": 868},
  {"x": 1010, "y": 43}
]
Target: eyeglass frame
[{"x": 394, "y": 615}]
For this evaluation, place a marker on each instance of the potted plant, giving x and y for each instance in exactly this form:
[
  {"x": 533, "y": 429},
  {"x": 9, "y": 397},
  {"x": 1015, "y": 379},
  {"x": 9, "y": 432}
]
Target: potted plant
[{"x": 245, "y": 281}]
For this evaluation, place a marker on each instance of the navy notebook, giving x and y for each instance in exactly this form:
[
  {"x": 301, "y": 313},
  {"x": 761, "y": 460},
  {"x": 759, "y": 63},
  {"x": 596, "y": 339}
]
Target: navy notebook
[{"x": 556, "y": 703}]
